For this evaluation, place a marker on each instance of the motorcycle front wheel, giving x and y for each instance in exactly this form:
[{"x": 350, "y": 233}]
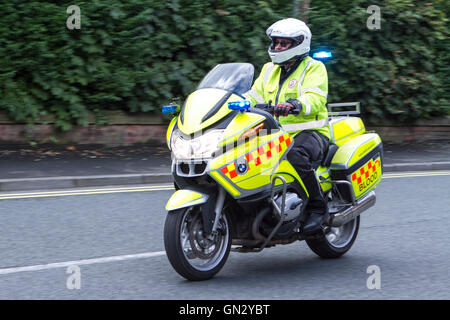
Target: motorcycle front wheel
[{"x": 192, "y": 254}]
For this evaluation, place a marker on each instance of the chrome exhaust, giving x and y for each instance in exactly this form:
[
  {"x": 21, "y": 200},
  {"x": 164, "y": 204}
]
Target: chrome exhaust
[{"x": 354, "y": 211}]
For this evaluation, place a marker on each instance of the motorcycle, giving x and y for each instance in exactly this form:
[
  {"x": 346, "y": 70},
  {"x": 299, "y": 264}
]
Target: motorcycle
[{"x": 236, "y": 190}]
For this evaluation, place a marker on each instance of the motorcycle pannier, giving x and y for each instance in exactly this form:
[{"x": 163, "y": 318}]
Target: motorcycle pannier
[
  {"x": 360, "y": 162},
  {"x": 343, "y": 129}
]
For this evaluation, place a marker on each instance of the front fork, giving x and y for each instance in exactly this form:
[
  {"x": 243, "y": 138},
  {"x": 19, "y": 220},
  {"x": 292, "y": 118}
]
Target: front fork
[{"x": 218, "y": 212}]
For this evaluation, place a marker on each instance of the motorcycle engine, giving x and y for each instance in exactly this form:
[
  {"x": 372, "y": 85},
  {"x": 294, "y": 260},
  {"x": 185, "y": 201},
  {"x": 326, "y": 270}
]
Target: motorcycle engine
[{"x": 292, "y": 207}]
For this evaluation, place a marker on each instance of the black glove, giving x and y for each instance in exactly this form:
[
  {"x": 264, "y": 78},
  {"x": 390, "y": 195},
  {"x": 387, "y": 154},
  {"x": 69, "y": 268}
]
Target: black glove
[
  {"x": 297, "y": 106},
  {"x": 282, "y": 109},
  {"x": 291, "y": 106}
]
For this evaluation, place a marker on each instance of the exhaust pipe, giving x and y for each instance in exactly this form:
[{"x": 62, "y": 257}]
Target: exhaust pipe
[{"x": 351, "y": 213}]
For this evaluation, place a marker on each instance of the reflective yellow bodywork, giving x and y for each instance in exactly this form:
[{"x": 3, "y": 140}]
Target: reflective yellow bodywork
[
  {"x": 241, "y": 123},
  {"x": 364, "y": 148},
  {"x": 170, "y": 130},
  {"x": 199, "y": 104},
  {"x": 367, "y": 177},
  {"x": 354, "y": 150},
  {"x": 185, "y": 198},
  {"x": 345, "y": 129},
  {"x": 287, "y": 171},
  {"x": 323, "y": 173},
  {"x": 250, "y": 166},
  {"x": 224, "y": 183},
  {"x": 347, "y": 163},
  {"x": 262, "y": 156}
]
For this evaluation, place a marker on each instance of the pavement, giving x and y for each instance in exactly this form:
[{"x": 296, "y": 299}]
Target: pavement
[{"x": 42, "y": 167}]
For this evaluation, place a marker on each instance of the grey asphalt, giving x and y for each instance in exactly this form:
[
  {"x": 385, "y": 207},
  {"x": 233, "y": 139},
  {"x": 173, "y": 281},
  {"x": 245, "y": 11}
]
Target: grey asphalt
[
  {"x": 405, "y": 234},
  {"x": 49, "y": 167}
]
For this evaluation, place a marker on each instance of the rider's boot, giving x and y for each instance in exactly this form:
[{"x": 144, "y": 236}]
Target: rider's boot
[{"x": 317, "y": 204}]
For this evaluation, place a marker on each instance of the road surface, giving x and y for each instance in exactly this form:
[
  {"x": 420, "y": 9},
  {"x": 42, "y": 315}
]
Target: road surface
[{"x": 111, "y": 239}]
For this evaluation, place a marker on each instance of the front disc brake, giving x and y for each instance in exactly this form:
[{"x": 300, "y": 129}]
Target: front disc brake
[{"x": 200, "y": 244}]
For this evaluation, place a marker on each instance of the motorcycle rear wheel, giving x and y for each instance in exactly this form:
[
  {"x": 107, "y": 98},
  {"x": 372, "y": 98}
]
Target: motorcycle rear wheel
[
  {"x": 192, "y": 255},
  {"x": 337, "y": 242}
]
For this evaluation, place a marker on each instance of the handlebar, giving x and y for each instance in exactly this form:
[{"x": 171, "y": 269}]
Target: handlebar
[
  {"x": 270, "y": 108},
  {"x": 265, "y": 106}
]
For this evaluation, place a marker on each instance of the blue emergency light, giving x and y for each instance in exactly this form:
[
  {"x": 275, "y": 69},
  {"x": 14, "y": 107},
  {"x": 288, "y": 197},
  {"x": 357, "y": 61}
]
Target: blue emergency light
[
  {"x": 239, "y": 105},
  {"x": 322, "y": 55},
  {"x": 170, "y": 109}
]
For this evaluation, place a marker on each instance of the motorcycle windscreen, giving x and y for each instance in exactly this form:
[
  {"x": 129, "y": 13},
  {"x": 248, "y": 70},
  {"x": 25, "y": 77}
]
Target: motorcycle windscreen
[
  {"x": 234, "y": 77},
  {"x": 209, "y": 103}
]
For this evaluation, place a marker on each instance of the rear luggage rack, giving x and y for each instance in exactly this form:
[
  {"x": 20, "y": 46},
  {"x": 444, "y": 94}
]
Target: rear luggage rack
[{"x": 356, "y": 105}]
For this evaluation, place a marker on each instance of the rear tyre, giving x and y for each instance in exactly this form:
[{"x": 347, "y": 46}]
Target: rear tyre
[
  {"x": 337, "y": 242},
  {"x": 192, "y": 255}
]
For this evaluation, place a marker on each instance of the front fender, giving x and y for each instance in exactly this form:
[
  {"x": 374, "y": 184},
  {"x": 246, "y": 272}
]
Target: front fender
[{"x": 185, "y": 198}]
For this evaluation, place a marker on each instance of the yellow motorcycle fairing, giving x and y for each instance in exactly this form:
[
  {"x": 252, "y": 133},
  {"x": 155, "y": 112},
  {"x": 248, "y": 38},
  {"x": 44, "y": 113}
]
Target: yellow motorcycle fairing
[
  {"x": 355, "y": 149},
  {"x": 241, "y": 123},
  {"x": 203, "y": 108},
  {"x": 323, "y": 174},
  {"x": 170, "y": 130},
  {"x": 185, "y": 198},
  {"x": 359, "y": 161},
  {"x": 343, "y": 129},
  {"x": 249, "y": 167}
]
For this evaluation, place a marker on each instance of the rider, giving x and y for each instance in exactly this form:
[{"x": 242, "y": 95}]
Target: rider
[{"x": 293, "y": 81}]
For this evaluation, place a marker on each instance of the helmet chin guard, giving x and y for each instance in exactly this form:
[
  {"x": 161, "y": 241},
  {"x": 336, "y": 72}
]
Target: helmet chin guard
[{"x": 292, "y": 29}]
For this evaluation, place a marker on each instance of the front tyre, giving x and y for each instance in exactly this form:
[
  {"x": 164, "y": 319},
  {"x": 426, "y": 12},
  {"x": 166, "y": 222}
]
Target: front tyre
[
  {"x": 193, "y": 255},
  {"x": 337, "y": 242}
]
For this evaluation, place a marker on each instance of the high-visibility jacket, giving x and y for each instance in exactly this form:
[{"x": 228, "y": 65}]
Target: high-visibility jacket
[{"x": 308, "y": 84}]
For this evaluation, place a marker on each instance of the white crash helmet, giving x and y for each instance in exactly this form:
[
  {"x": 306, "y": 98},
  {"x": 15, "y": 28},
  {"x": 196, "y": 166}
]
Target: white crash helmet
[{"x": 292, "y": 29}]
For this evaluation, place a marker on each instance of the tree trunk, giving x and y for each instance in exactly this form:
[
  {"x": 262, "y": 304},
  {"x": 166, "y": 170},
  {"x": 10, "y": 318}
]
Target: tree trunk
[
  {"x": 304, "y": 10},
  {"x": 300, "y": 10}
]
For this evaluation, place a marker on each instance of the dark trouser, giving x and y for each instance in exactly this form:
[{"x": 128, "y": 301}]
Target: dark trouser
[{"x": 305, "y": 156}]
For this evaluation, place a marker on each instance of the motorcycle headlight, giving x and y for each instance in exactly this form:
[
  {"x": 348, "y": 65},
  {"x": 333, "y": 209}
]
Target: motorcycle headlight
[{"x": 199, "y": 147}]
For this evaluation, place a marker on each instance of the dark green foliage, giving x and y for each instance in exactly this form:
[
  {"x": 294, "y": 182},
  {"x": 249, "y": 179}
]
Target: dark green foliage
[
  {"x": 399, "y": 72},
  {"x": 136, "y": 55},
  {"x": 132, "y": 55}
]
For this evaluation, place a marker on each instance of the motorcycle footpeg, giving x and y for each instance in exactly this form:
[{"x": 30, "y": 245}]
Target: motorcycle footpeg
[{"x": 319, "y": 233}]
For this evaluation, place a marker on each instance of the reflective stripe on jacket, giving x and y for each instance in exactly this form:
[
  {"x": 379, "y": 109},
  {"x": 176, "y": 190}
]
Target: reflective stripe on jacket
[{"x": 308, "y": 84}]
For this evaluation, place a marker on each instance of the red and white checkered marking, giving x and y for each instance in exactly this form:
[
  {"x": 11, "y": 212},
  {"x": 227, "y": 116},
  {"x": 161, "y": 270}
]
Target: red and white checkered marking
[
  {"x": 366, "y": 171},
  {"x": 260, "y": 155}
]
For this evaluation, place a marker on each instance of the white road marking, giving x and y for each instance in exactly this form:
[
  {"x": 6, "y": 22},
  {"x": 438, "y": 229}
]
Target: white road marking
[
  {"x": 135, "y": 189},
  {"x": 82, "y": 262},
  {"x": 95, "y": 189},
  {"x": 78, "y": 192},
  {"x": 416, "y": 174},
  {"x": 416, "y": 164},
  {"x": 146, "y": 188}
]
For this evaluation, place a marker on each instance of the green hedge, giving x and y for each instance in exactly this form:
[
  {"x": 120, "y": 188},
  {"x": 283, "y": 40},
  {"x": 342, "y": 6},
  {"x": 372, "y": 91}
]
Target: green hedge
[
  {"x": 399, "y": 72},
  {"x": 130, "y": 55},
  {"x": 137, "y": 55}
]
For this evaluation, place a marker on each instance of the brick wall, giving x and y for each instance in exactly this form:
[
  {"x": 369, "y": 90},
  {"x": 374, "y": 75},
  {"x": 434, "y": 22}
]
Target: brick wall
[
  {"x": 124, "y": 129},
  {"x": 127, "y": 130},
  {"x": 114, "y": 135},
  {"x": 412, "y": 134}
]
